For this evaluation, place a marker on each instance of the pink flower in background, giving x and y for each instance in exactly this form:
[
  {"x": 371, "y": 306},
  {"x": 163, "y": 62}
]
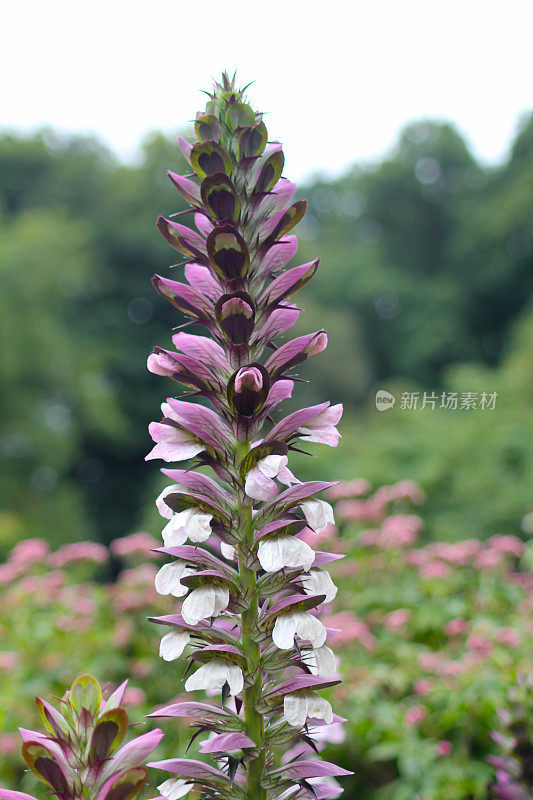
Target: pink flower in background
[
  {"x": 354, "y": 488},
  {"x": 85, "y": 606},
  {"x": 457, "y": 553},
  {"x": 351, "y": 629},
  {"x": 507, "y": 545},
  {"x": 310, "y": 537},
  {"x": 359, "y": 510},
  {"x": 489, "y": 559},
  {"x": 8, "y": 660},
  {"x": 409, "y": 490},
  {"x": 450, "y": 669},
  {"x": 90, "y": 552},
  {"x": 9, "y": 743},
  {"x": 508, "y": 637},
  {"x": 137, "y": 544},
  {"x": 480, "y": 643},
  {"x": 400, "y": 530},
  {"x": 397, "y": 619},
  {"x": 9, "y": 572},
  {"x": 444, "y": 748},
  {"x": 434, "y": 569},
  {"x": 423, "y": 686},
  {"x": 429, "y": 661},
  {"x": 383, "y": 496},
  {"x": 123, "y": 632},
  {"x": 134, "y": 696},
  {"x": 369, "y": 537},
  {"x": 456, "y": 626},
  {"x": 415, "y": 715},
  {"x": 29, "y": 551}
]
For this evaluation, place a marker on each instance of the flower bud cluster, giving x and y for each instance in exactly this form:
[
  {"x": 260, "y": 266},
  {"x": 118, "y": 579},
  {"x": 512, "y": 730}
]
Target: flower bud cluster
[{"x": 81, "y": 756}]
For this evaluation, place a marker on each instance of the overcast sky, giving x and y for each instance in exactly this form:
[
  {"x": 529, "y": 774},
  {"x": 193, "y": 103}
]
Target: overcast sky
[{"x": 339, "y": 78}]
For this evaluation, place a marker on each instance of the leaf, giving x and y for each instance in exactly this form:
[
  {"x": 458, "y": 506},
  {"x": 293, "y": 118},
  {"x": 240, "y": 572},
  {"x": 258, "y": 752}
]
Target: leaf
[
  {"x": 239, "y": 115},
  {"x": 207, "y": 127},
  {"x": 108, "y": 734},
  {"x": 42, "y": 763},
  {"x": 85, "y": 692},
  {"x": 209, "y": 158},
  {"x": 125, "y": 786},
  {"x": 270, "y": 172}
]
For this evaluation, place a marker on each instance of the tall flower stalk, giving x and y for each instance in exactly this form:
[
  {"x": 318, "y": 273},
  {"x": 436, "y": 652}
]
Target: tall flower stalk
[{"x": 251, "y": 593}]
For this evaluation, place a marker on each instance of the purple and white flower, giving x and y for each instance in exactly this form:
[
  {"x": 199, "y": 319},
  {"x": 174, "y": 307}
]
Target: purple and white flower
[
  {"x": 284, "y": 551},
  {"x": 214, "y": 675},
  {"x": 319, "y": 514},
  {"x": 299, "y": 706},
  {"x": 204, "y": 603},
  {"x": 301, "y": 624}
]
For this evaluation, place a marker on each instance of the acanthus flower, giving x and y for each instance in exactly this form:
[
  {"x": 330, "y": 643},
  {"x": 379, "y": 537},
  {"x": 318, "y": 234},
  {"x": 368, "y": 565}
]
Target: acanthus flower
[
  {"x": 250, "y": 605},
  {"x": 81, "y": 756}
]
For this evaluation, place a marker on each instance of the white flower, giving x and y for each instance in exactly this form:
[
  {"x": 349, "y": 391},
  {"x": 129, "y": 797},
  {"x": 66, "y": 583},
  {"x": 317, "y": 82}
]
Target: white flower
[
  {"x": 227, "y": 550},
  {"x": 173, "y": 444},
  {"x": 307, "y": 627},
  {"x": 318, "y": 581},
  {"x": 318, "y": 514},
  {"x": 204, "y": 602},
  {"x": 162, "y": 507},
  {"x": 173, "y": 644},
  {"x": 322, "y": 427},
  {"x": 167, "y": 580},
  {"x": 284, "y": 551},
  {"x": 190, "y": 524},
  {"x": 298, "y": 706},
  {"x": 214, "y": 675},
  {"x": 321, "y": 661},
  {"x": 259, "y": 482},
  {"x": 175, "y": 787}
]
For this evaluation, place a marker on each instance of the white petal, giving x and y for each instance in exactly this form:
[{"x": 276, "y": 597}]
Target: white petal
[
  {"x": 199, "y": 604},
  {"x": 221, "y": 599},
  {"x": 284, "y": 551},
  {"x": 294, "y": 709},
  {"x": 259, "y": 486},
  {"x": 310, "y": 629},
  {"x": 235, "y": 679},
  {"x": 284, "y": 630},
  {"x": 318, "y": 581},
  {"x": 269, "y": 555},
  {"x": 203, "y": 603},
  {"x": 286, "y": 477},
  {"x": 175, "y": 788},
  {"x": 214, "y": 675},
  {"x": 199, "y": 527},
  {"x": 318, "y": 708},
  {"x": 321, "y": 661},
  {"x": 188, "y": 524},
  {"x": 162, "y": 507},
  {"x": 173, "y": 644},
  {"x": 227, "y": 550},
  {"x": 167, "y": 580},
  {"x": 203, "y": 678},
  {"x": 271, "y": 465},
  {"x": 318, "y": 514},
  {"x": 296, "y": 553}
]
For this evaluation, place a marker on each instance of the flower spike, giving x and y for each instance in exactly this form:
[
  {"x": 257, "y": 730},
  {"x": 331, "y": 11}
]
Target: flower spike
[{"x": 248, "y": 585}]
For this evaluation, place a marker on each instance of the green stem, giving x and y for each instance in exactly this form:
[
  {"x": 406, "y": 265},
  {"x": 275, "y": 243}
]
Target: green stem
[{"x": 253, "y": 720}]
